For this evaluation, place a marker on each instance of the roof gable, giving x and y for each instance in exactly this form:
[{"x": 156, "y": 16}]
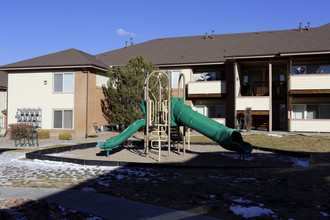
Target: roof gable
[{"x": 70, "y": 57}]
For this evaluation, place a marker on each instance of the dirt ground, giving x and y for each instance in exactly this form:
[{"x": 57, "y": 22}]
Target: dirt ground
[{"x": 284, "y": 191}]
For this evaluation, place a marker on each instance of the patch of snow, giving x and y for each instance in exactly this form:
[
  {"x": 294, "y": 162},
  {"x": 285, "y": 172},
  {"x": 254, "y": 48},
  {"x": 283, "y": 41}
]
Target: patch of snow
[
  {"x": 87, "y": 189},
  {"x": 237, "y": 156},
  {"x": 14, "y": 167},
  {"x": 325, "y": 214},
  {"x": 245, "y": 178},
  {"x": 251, "y": 212},
  {"x": 300, "y": 162},
  {"x": 242, "y": 200},
  {"x": 275, "y": 135},
  {"x": 120, "y": 177}
]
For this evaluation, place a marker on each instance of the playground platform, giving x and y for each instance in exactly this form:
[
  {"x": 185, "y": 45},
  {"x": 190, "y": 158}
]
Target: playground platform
[{"x": 199, "y": 155}]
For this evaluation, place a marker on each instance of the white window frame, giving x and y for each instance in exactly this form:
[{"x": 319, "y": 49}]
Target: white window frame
[
  {"x": 63, "y": 85},
  {"x": 170, "y": 74},
  {"x": 53, "y": 118},
  {"x": 305, "y": 111},
  {"x": 2, "y": 122},
  {"x": 205, "y": 109}
]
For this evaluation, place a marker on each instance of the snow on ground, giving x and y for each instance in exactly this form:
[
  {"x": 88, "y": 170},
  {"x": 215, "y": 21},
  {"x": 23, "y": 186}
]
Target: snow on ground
[
  {"x": 249, "y": 211},
  {"x": 297, "y": 162},
  {"x": 15, "y": 169}
]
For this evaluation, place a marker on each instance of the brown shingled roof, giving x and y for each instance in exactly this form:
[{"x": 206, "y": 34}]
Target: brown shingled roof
[
  {"x": 3, "y": 80},
  {"x": 190, "y": 50},
  {"x": 70, "y": 57}
]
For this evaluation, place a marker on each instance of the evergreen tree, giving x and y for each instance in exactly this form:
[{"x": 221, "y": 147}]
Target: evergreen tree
[{"x": 125, "y": 91}]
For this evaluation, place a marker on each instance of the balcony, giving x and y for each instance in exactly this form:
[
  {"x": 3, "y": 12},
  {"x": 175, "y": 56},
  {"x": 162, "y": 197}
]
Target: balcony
[
  {"x": 312, "y": 82},
  {"x": 261, "y": 88},
  {"x": 206, "y": 89},
  {"x": 257, "y": 103}
]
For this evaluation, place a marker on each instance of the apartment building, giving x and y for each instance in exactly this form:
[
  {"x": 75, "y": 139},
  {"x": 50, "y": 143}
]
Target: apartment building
[
  {"x": 283, "y": 76},
  {"x": 59, "y": 92},
  {"x": 3, "y": 102}
]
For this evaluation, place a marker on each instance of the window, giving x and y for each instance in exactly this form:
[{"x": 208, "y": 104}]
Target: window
[
  {"x": 208, "y": 76},
  {"x": 311, "y": 111},
  {"x": 1, "y": 122},
  {"x": 174, "y": 76},
  {"x": 315, "y": 69},
  {"x": 63, "y": 82},
  {"x": 298, "y": 111},
  {"x": 63, "y": 119},
  {"x": 211, "y": 111}
]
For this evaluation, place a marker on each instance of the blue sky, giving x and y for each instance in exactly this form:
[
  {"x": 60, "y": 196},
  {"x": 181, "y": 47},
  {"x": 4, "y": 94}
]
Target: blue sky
[{"x": 38, "y": 27}]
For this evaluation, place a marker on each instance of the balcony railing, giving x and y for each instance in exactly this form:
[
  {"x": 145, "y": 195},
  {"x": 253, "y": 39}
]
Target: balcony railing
[
  {"x": 310, "y": 82},
  {"x": 207, "y": 87},
  {"x": 261, "y": 88}
]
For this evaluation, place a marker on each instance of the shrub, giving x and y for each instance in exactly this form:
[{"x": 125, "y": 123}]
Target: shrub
[
  {"x": 65, "y": 136},
  {"x": 43, "y": 134},
  {"x": 13, "y": 128}
]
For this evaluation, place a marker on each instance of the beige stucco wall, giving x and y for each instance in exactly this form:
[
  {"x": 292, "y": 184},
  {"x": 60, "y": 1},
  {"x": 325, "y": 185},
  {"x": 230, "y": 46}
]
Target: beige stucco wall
[
  {"x": 309, "y": 82},
  {"x": 257, "y": 103},
  {"x": 95, "y": 95},
  {"x": 27, "y": 90},
  {"x": 310, "y": 125}
]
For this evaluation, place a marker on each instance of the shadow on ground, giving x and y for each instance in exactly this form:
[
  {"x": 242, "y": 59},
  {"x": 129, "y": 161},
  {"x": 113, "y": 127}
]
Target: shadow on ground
[{"x": 280, "y": 192}]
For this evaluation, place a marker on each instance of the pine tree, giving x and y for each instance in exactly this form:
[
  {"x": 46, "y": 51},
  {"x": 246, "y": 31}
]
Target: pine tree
[{"x": 125, "y": 91}]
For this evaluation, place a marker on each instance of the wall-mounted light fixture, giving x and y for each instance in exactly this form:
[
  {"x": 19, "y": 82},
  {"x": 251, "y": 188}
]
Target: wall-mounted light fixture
[{"x": 45, "y": 82}]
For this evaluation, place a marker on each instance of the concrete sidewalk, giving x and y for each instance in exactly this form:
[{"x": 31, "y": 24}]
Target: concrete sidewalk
[{"x": 101, "y": 205}]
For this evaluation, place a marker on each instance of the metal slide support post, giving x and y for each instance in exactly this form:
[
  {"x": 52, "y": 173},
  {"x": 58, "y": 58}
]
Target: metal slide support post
[{"x": 184, "y": 99}]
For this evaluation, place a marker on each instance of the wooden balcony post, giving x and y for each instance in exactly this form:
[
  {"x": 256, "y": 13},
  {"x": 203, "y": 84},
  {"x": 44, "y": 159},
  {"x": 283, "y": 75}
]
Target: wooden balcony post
[
  {"x": 270, "y": 97},
  {"x": 235, "y": 95}
]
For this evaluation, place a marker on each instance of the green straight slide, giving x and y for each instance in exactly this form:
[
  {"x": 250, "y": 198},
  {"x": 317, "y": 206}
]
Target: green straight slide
[
  {"x": 230, "y": 139},
  {"x": 111, "y": 143}
]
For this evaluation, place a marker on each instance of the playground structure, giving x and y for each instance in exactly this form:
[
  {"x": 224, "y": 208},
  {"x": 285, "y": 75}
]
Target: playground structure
[{"x": 166, "y": 121}]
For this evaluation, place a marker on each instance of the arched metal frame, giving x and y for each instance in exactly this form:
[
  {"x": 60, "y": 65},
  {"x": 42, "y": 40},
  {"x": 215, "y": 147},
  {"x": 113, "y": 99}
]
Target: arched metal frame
[
  {"x": 146, "y": 95},
  {"x": 182, "y": 76}
]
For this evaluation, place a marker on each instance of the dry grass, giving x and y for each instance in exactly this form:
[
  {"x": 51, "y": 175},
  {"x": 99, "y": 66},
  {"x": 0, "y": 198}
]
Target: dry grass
[{"x": 300, "y": 143}]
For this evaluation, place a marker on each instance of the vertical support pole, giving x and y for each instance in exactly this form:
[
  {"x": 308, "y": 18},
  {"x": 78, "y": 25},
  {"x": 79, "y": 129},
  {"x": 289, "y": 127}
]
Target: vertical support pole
[
  {"x": 288, "y": 92},
  {"x": 169, "y": 114},
  {"x": 235, "y": 95},
  {"x": 86, "y": 135},
  {"x": 270, "y": 126}
]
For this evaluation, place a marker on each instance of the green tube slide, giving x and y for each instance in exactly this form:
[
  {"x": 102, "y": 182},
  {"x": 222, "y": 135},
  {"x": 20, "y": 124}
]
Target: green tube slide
[
  {"x": 230, "y": 139},
  {"x": 111, "y": 143}
]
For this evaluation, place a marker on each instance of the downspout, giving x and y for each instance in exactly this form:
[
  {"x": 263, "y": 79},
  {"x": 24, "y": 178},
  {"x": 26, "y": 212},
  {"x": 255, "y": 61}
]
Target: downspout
[
  {"x": 6, "y": 109},
  {"x": 86, "y": 134}
]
